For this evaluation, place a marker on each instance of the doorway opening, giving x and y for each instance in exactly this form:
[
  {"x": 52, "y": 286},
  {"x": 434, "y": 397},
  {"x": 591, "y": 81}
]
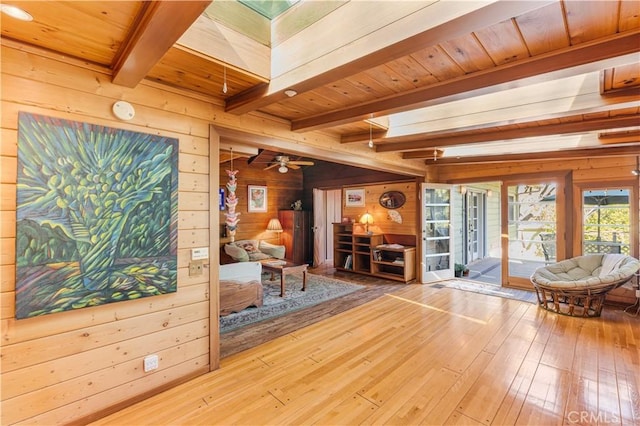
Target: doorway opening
[
  {"x": 327, "y": 209},
  {"x": 477, "y": 225}
]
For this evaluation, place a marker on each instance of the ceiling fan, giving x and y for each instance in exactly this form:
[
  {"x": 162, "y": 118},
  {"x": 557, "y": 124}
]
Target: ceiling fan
[{"x": 284, "y": 163}]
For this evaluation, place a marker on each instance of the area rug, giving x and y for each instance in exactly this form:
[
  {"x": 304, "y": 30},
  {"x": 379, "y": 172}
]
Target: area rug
[
  {"x": 319, "y": 289},
  {"x": 491, "y": 290}
]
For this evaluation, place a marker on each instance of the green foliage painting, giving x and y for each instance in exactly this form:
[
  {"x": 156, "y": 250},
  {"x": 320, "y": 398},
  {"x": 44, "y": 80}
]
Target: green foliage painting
[{"x": 96, "y": 215}]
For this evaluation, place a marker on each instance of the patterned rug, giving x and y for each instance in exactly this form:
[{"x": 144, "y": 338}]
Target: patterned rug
[{"x": 319, "y": 289}]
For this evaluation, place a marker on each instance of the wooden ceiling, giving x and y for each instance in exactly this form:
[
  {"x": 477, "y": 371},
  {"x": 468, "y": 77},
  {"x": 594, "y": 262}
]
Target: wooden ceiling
[{"x": 461, "y": 81}]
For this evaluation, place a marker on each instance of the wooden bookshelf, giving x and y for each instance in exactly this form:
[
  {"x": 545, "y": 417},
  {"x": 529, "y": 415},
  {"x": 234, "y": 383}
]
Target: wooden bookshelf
[
  {"x": 395, "y": 263},
  {"x": 369, "y": 254}
]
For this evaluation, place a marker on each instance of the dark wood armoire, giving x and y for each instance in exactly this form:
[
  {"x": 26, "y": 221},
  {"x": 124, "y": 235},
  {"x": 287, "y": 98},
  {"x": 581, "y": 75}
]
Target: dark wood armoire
[{"x": 296, "y": 235}]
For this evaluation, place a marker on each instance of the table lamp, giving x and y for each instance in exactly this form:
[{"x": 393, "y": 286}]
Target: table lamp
[
  {"x": 366, "y": 219},
  {"x": 274, "y": 225}
]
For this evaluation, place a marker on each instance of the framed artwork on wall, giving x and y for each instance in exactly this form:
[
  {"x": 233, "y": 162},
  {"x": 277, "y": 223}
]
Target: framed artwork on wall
[
  {"x": 257, "y": 198},
  {"x": 97, "y": 215},
  {"x": 354, "y": 197}
]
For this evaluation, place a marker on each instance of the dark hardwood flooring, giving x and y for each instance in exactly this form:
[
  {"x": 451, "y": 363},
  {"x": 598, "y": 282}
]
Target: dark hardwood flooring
[{"x": 255, "y": 334}]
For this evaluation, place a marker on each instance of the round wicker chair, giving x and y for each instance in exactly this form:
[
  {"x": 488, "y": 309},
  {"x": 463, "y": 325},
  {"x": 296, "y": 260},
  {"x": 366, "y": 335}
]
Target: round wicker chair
[{"x": 578, "y": 286}]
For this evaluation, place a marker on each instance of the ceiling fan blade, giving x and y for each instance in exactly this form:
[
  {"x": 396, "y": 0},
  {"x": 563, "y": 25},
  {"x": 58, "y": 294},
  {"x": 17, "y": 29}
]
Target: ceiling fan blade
[
  {"x": 302, "y": 163},
  {"x": 271, "y": 166},
  {"x": 292, "y": 166}
]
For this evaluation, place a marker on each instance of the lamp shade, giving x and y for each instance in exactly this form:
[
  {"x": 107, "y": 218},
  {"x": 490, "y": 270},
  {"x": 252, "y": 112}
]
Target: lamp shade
[
  {"x": 366, "y": 218},
  {"x": 274, "y": 225}
]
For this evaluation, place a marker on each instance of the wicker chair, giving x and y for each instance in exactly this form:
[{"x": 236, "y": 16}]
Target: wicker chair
[{"x": 578, "y": 286}]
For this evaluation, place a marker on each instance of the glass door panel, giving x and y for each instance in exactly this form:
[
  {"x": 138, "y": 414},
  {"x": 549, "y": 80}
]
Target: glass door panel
[
  {"x": 437, "y": 246},
  {"x": 606, "y": 220},
  {"x": 532, "y": 228}
]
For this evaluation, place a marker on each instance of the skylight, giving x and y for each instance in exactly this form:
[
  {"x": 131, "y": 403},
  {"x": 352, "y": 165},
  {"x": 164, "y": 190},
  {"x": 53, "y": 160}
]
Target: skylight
[{"x": 269, "y": 8}]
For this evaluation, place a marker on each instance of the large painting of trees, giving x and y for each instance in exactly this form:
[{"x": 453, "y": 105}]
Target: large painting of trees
[{"x": 96, "y": 215}]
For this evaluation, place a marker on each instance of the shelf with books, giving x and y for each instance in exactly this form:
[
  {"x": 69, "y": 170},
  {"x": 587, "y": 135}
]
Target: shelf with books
[{"x": 368, "y": 254}]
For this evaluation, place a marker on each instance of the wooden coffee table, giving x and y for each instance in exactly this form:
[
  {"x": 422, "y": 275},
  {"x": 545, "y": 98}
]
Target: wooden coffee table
[{"x": 285, "y": 269}]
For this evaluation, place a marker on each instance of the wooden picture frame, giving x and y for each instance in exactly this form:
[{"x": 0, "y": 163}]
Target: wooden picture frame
[
  {"x": 257, "y": 198},
  {"x": 354, "y": 197}
]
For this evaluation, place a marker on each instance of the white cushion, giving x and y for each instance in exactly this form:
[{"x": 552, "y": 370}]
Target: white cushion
[{"x": 272, "y": 250}]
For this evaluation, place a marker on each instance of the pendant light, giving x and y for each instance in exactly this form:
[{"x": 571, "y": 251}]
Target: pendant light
[{"x": 224, "y": 80}]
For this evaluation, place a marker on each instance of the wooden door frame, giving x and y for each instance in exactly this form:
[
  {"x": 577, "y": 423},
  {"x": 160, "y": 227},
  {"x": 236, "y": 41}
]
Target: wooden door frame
[{"x": 564, "y": 221}]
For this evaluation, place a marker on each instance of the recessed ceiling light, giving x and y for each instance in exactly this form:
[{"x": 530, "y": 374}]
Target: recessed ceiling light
[
  {"x": 290, "y": 93},
  {"x": 15, "y": 12}
]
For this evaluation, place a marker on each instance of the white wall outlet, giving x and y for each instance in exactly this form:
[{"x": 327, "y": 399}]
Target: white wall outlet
[
  {"x": 200, "y": 253},
  {"x": 638, "y": 294},
  {"x": 151, "y": 363}
]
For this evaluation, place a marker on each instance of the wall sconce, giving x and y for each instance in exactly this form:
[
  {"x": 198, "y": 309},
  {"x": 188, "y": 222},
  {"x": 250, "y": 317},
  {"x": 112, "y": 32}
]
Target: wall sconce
[
  {"x": 462, "y": 189},
  {"x": 489, "y": 193},
  {"x": 367, "y": 219},
  {"x": 275, "y": 226}
]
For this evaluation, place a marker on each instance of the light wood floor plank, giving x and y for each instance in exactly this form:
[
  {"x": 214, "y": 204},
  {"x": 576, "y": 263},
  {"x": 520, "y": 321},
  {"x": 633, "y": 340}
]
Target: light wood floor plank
[
  {"x": 547, "y": 397},
  {"x": 420, "y": 355}
]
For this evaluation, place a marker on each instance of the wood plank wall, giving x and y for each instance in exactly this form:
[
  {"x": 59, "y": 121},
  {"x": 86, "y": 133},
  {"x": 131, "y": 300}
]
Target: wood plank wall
[
  {"x": 282, "y": 190},
  {"x": 65, "y": 367},
  {"x": 382, "y": 222},
  {"x": 74, "y": 366}
]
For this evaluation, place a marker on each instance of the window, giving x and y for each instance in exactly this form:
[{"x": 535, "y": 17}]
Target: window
[{"x": 606, "y": 220}]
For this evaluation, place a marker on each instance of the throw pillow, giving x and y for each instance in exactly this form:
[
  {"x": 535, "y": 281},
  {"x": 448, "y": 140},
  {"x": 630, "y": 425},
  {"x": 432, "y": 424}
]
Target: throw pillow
[
  {"x": 272, "y": 250},
  {"x": 237, "y": 253},
  {"x": 250, "y": 246}
]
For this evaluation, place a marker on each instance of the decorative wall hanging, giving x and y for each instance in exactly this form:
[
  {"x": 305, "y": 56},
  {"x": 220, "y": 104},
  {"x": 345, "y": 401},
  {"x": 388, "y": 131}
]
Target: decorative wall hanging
[
  {"x": 97, "y": 212},
  {"x": 394, "y": 216},
  {"x": 232, "y": 201},
  {"x": 257, "y": 198},
  {"x": 392, "y": 199}
]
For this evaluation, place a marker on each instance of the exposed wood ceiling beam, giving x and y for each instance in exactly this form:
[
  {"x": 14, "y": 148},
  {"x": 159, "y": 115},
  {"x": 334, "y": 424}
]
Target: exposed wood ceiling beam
[
  {"x": 558, "y": 100},
  {"x": 159, "y": 25},
  {"x": 578, "y": 59},
  {"x": 267, "y": 94},
  {"x": 537, "y": 156},
  {"x": 455, "y": 138},
  {"x": 620, "y": 137},
  {"x": 231, "y": 136}
]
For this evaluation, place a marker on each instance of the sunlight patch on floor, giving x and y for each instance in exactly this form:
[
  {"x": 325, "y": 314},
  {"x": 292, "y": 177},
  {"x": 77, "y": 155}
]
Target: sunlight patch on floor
[{"x": 433, "y": 308}]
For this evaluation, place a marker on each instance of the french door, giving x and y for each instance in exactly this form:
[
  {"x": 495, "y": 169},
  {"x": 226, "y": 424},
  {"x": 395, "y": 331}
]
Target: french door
[
  {"x": 531, "y": 234},
  {"x": 475, "y": 225},
  {"x": 437, "y": 246}
]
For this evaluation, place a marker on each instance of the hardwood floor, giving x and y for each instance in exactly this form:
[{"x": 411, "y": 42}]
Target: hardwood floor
[
  {"x": 256, "y": 334},
  {"x": 421, "y": 355}
]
